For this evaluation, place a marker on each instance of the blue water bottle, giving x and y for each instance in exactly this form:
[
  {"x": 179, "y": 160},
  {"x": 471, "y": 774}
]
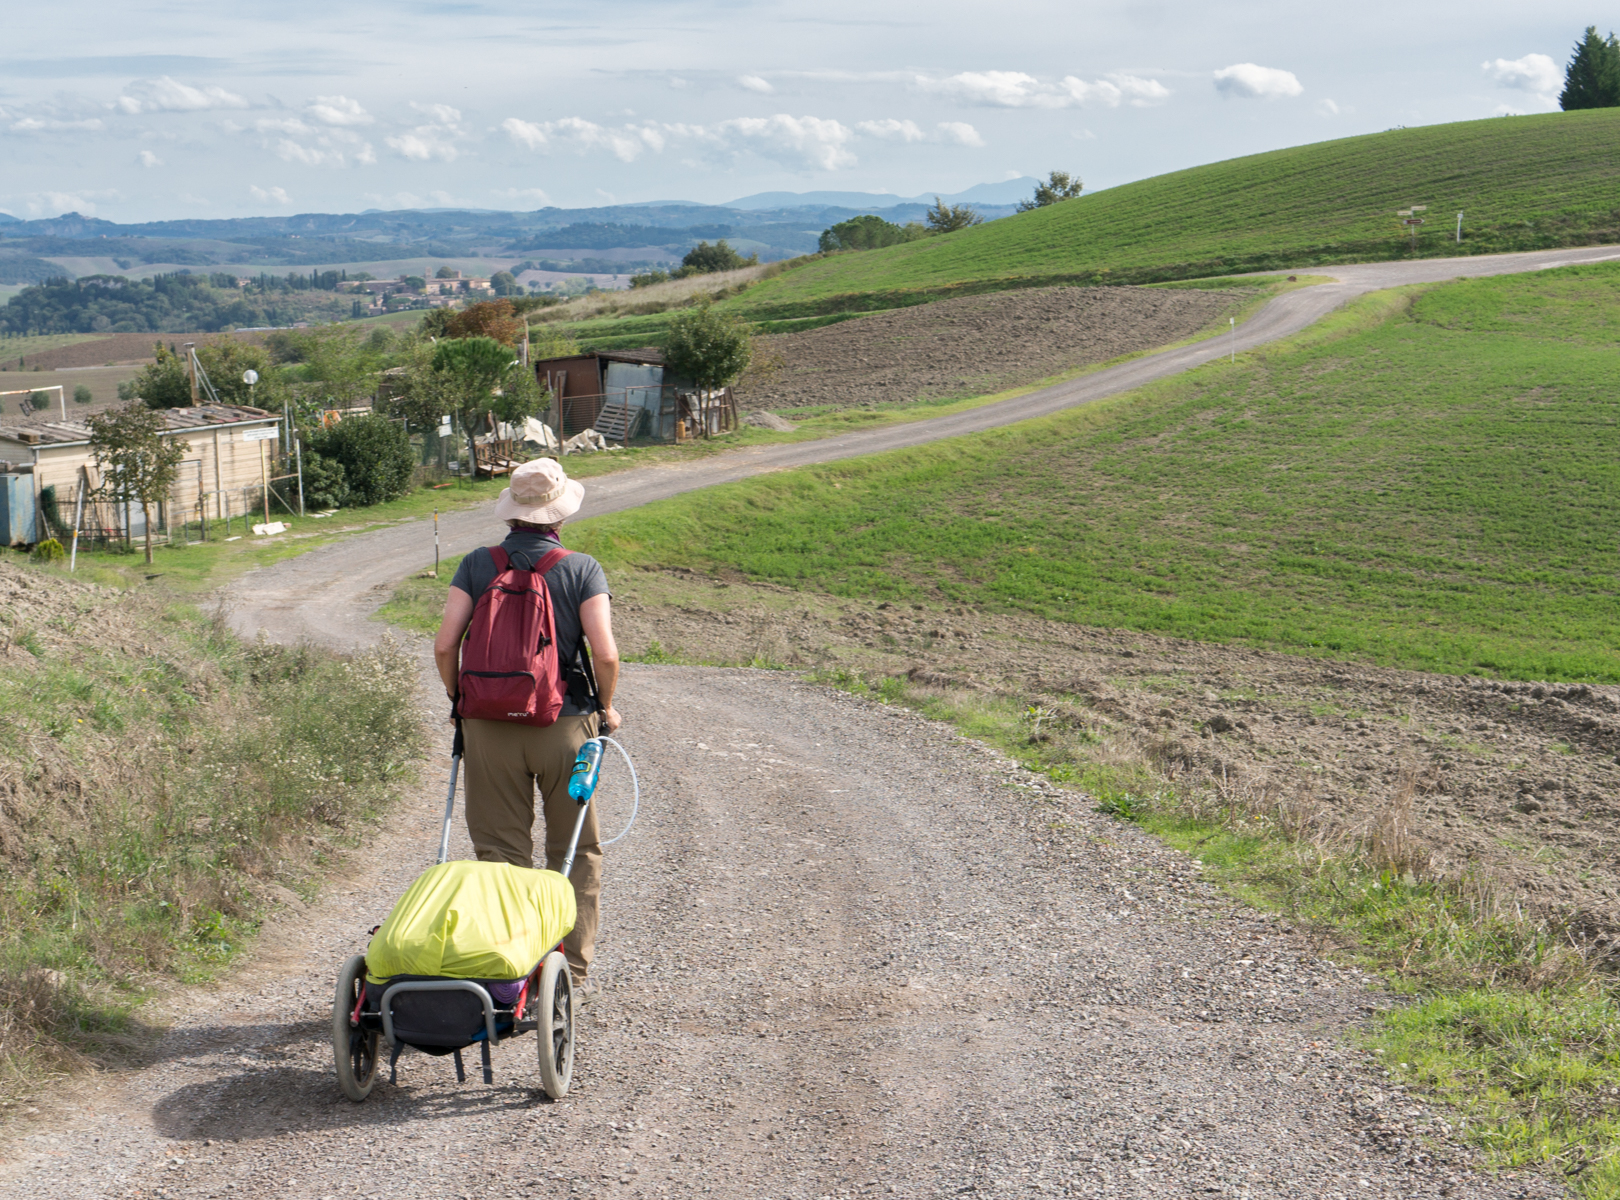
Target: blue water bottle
[{"x": 587, "y": 769}]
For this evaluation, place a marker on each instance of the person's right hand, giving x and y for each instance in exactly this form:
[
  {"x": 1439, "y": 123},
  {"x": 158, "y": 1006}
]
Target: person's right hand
[{"x": 611, "y": 719}]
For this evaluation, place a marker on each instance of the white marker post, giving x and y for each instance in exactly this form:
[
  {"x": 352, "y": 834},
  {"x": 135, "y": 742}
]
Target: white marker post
[{"x": 1459, "y": 229}]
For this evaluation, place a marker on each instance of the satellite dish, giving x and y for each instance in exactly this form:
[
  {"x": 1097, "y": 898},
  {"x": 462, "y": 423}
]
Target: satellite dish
[{"x": 250, "y": 377}]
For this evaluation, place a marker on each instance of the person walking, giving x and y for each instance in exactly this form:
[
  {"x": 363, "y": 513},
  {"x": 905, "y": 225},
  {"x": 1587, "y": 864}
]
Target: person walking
[{"x": 506, "y": 760}]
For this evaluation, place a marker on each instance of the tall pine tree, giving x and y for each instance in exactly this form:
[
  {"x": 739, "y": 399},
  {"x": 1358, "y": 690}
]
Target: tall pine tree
[{"x": 1592, "y": 79}]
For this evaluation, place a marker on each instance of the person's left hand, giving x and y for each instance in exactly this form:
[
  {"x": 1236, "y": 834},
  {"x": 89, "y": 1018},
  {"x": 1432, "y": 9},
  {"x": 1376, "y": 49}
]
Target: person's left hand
[{"x": 611, "y": 719}]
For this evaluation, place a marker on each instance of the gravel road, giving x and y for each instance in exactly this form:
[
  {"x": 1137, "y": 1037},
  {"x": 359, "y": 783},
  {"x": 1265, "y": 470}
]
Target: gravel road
[{"x": 844, "y": 952}]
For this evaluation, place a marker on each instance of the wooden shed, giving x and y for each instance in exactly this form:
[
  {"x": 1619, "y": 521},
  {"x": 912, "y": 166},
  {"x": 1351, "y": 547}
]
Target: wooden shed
[
  {"x": 231, "y": 453},
  {"x": 625, "y": 394}
]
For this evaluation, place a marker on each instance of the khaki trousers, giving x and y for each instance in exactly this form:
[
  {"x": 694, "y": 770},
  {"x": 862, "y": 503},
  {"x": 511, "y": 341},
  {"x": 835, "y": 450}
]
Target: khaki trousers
[{"x": 505, "y": 763}]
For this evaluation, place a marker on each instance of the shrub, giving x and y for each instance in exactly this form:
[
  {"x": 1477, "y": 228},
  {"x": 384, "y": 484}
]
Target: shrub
[
  {"x": 375, "y": 454},
  {"x": 48, "y": 551},
  {"x": 39, "y": 400},
  {"x": 324, "y": 484},
  {"x": 82, "y": 395}
]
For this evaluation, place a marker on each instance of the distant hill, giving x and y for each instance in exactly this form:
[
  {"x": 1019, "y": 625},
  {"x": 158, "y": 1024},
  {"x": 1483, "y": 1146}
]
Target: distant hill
[
  {"x": 656, "y": 232},
  {"x": 1001, "y": 195},
  {"x": 1521, "y": 182}
]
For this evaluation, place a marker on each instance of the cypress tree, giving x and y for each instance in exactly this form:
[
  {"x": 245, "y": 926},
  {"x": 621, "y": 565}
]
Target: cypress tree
[{"x": 1592, "y": 79}]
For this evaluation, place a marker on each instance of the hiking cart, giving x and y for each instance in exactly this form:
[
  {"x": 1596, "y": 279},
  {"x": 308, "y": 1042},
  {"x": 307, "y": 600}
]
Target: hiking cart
[
  {"x": 439, "y": 921},
  {"x": 441, "y": 1016}
]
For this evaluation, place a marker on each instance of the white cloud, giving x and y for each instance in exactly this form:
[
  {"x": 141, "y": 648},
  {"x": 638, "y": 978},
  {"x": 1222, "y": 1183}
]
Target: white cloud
[
  {"x": 170, "y": 95},
  {"x": 811, "y": 141},
  {"x": 442, "y": 114},
  {"x": 273, "y": 195},
  {"x": 961, "y": 133},
  {"x": 1115, "y": 90},
  {"x": 1328, "y": 108},
  {"x": 423, "y": 145},
  {"x": 339, "y": 110},
  {"x": 46, "y": 125},
  {"x": 311, "y": 156},
  {"x": 55, "y": 204},
  {"x": 905, "y": 131},
  {"x": 755, "y": 84},
  {"x": 818, "y": 141},
  {"x": 148, "y": 159},
  {"x": 290, "y": 125},
  {"x": 1015, "y": 89},
  {"x": 437, "y": 139},
  {"x": 1248, "y": 81},
  {"x": 626, "y": 143},
  {"x": 514, "y": 194},
  {"x": 1534, "y": 73},
  {"x": 1004, "y": 89}
]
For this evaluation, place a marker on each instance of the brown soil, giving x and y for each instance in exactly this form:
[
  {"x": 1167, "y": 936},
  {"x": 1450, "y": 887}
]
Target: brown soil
[
  {"x": 115, "y": 348},
  {"x": 1514, "y": 782},
  {"x": 974, "y": 345}
]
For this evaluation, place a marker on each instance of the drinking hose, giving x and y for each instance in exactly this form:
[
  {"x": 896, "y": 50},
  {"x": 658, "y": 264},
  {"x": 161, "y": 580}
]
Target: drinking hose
[{"x": 634, "y": 783}]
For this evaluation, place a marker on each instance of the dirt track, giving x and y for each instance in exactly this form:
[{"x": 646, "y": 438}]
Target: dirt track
[
  {"x": 976, "y": 345},
  {"x": 844, "y": 953}
]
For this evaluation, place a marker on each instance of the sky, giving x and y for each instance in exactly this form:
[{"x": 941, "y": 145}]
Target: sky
[{"x": 153, "y": 111}]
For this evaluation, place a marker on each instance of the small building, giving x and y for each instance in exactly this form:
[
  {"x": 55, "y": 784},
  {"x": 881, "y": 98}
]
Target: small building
[
  {"x": 626, "y": 394},
  {"x": 230, "y": 456}
]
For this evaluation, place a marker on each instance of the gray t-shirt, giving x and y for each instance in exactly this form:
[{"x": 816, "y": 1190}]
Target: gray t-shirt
[{"x": 572, "y": 581}]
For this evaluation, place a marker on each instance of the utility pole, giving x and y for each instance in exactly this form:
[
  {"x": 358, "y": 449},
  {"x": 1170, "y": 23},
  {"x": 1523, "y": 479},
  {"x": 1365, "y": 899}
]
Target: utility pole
[
  {"x": 435, "y": 543},
  {"x": 191, "y": 369}
]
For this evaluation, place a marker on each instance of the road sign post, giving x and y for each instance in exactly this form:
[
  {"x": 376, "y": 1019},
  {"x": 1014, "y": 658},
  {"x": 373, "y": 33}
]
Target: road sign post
[{"x": 1411, "y": 220}]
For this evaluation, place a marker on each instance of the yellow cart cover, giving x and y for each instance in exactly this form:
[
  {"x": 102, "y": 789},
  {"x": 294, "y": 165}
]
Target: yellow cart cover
[{"x": 473, "y": 920}]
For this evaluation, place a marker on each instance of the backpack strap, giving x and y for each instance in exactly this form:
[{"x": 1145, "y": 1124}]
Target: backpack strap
[
  {"x": 551, "y": 559},
  {"x": 499, "y": 558}
]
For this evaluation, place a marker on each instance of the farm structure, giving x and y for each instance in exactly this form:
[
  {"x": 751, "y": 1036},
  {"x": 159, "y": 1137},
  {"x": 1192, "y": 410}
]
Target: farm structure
[
  {"x": 627, "y": 394},
  {"x": 231, "y": 454}
]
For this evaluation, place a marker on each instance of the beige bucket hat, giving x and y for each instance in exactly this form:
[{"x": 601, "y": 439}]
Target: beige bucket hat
[{"x": 540, "y": 493}]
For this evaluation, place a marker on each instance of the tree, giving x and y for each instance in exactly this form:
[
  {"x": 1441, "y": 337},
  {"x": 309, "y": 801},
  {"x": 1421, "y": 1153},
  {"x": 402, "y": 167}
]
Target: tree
[
  {"x": 469, "y": 371},
  {"x": 704, "y": 259},
  {"x": 869, "y": 232},
  {"x": 1592, "y": 79},
  {"x": 948, "y": 218},
  {"x": 82, "y": 395},
  {"x": 446, "y": 273},
  {"x": 161, "y": 384},
  {"x": 39, "y": 400},
  {"x": 375, "y": 454},
  {"x": 709, "y": 348},
  {"x": 496, "y": 319},
  {"x": 137, "y": 463},
  {"x": 413, "y": 283},
  {"x": 166, "y": 383},
  {"x": 504, "y": 283},
  {"x": 1059, "y": 186}
]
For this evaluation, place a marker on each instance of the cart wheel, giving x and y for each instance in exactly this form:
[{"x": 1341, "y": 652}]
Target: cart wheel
[
  {"x": 554, "y": 1012},
  {"x": 354, "y": 1050}
]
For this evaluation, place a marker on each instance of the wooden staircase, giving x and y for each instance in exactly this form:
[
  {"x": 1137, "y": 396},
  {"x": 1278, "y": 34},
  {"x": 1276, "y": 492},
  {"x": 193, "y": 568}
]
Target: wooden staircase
[{"x": 616, "y": 421}]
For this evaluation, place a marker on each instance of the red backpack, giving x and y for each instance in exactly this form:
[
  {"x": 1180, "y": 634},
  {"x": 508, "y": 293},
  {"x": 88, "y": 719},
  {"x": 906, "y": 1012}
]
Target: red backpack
[{"x": 509, "y": 667}]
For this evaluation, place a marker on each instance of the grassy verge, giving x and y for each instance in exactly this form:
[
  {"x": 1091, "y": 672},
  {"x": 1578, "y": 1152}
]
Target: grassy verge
[
  {"x": 1509, "y": 1022},
  {"x": 1426, "y": 479},
  {"x": 163, "y": 783}
]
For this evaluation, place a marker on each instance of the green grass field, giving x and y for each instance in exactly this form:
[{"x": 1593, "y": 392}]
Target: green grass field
[
  {"x": 1523, "y": 183},
  {"x": 1424, "y": 481}
]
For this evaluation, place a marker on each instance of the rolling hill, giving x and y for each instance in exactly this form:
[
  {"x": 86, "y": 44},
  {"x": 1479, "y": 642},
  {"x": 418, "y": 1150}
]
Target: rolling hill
[{"x": 1523, "y": 183}]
